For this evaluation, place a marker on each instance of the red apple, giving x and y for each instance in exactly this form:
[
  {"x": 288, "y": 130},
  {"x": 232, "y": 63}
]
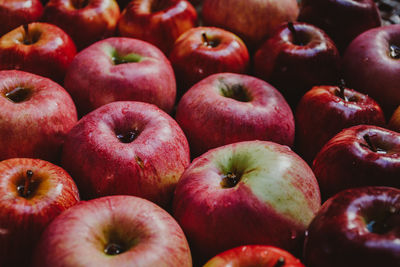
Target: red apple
[
  {"x": 361, "y": 155},
  {"x": 203, "y": 51},
  {"x": 226, "y": 108},
  {"x": 113, "y": 231},
  {"x": 371, "y": 65},
  {"x": 295, "y": 58},
  {"x": 254, "y": 255},
  {"x": 36, "y": 115},
  {"x": 159, "y": 22},
  {"x": 39, "y": 48},
  {"x": 119, "y": 69},
  {"x": 356, "y": 227},
  {"x": 342, "y": 20},
  {"x": 326, "y": 110},
  {"x": 254, "y": 192},
  {"x": 394, "y": 122},
  {"x": 86, "y": 21},
  {"x": 14, "y": 13},
  {"x": 126, "y": 148},
  {"x": 32, "y": 193},
  {"x": 252, "y": 20}
]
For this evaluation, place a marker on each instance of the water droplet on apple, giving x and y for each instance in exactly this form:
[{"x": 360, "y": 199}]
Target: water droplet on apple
[{"x": 293, "y": 234}]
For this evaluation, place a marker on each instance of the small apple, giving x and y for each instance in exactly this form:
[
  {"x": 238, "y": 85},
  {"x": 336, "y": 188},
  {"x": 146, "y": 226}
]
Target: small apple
[
  {"x": 253, "y": 192},
  {"x": 394, "y": 122},
  {"x": 36, "y": 115},
  {"x": 39, "y": 48},
  {"x": 157, "y": 22},
  {"x": 326, "y": 110},
  {"x": 356, "y": 227},
  {"x": 118, "y": 69},
  {"x": 32, "y": 193},
  {"x": 113, "y": 231},
  {"x": 361, "y": 155},
  {"x": 227, "y": 108}
]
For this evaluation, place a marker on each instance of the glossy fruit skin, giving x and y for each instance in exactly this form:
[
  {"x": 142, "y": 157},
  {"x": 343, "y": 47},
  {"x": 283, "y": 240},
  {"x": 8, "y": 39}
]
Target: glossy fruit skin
[
  {"x": 22, "y": 220},
  {"x": 368, "y": 67},
  {"x": 38, "y": 126},
  {"x": 194, "y": 60},
  {"x": 78, "y": 237},
  {"x": 346, "y": 161},
  {"x": 209, "y": 119},
  {"x": 159, "y": 27},
  {"x": 321, "y": 114},
  {"x": 339, "y": 234},
  {"x": 342, "y": 20},
  {"x": 394, "y": 123},
  {"x": 148, "y": 167},
  {"x": 254, "y": 255},
  {"x": 97, "y": 20},
  {"x": 49, "y": 56},
  {"x": 295, "y": 68},
  {"x": 14, "y": 13}
]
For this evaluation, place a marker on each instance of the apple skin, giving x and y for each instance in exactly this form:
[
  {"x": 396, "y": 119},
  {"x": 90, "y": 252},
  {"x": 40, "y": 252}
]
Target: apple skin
[
  {"x": 342, "y": 20},
  {"x": 193, "y": 58},
  {"x": 23, "y": 219},
  {"x": 148, "y": 235},
  {"x": 157, "y": 22},
  {"x": 322, "y": 113},
  {"x": 252, "y": 20},
  {"x": 93, "y": 79},
  {"x": 148, "y": 167},
  {"x": 14, "y": 13},
  {"x": 369, "y": 68},
  {"x": 340, "y": 233},
  {"x": 35, "y": 126},
  {"x": 394, "y": 122},
  {"x": 49, "y": 54},
  {"x": 254, "y": 255},
  {"x": 95, "y": 21},
  {"x": 210, "y": 119},
  {"x": 294, "y": 65},
  {"x": 347, "y": 161},
  {"x": 273, "y": 202}
]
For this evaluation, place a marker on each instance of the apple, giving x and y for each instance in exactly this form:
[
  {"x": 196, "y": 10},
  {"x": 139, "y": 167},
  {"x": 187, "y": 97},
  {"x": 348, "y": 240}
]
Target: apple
[
  {"x": 36, "y": 115},
  {"x": 157, "y": 22},
  {"x": 39, "y": 48},
  {"x": 371, "y": 65},
  {"x": 203, "y": 51},
  {"x": 361, "y": 155},
  {"x": 126, "y": 148},
  {"x": 254, "y": 255},
  {"x": 119, "y": 69},
  {"x": 295, "y": 58},
  {"x": 32, "y": 193},
  {"x": 113, "y": 231},
  {"x": 253, "y": 192},
  {"x": 394, "y": 122},
  {"x": 326, "y": 110},
  {"x": 14, "y": 13},
  {"x": 86, "y": 21},
  {"x": 342, "y": 20},
  {"x": 356, "y": 227},
  {"x": 226, "y": 108},
  {"x": 252, "y": 20}
]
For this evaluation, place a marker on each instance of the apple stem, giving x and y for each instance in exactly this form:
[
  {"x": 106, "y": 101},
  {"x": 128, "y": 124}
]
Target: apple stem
[
  {"x": 28, "y": 178},
  {"x": 230, "y": 180},
  {"x": 28, "y": 37},
  {"x": 342, "y": 88},
  {"x": 294, "y": 33},
  {"x": 394, "y": 51},
  {"x": 369, "y": 143},
  {"x": 205, "y": 39},
  {"x": 280, "y": 262}
]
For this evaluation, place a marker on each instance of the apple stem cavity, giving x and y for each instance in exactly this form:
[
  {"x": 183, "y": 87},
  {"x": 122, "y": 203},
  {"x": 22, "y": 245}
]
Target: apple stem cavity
[
  {"x": 25, "y": 189},
  {"x": 18, "y": 94},
  {"x": 296, "y": 39},
  {"x": 28, "y": 37},
  {"x": 113, "y": 249},
  {"x": 394, "y": 51},
  {"x": 235, "y": 91},
  {"x": 207, "y": 42},
  {"x": 371, "y": 146},
  {"x": 128, "y": 137},
  {"x": 280, "y": 262},
  {"x": 230, "y": 180},
  {"x": 342, "y": 88}
]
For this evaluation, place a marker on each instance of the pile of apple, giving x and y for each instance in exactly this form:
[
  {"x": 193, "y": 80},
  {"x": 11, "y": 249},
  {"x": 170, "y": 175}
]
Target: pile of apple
[{"x": 184, "y": 133}]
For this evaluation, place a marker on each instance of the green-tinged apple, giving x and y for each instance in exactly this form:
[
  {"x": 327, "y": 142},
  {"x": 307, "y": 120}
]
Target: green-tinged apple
[
  {"x": 227, "y": 108},
  {"x": 36, "y": 115},
  {"x": 254, "y": 192},
  {"x": 119, "y": 69},
  {"x": 127, "y": 148},
  {"x": 39, "y": 48},
  {"x": 32, "y": 193},
  {"x": 113, "y": 231},
  {"x": 361, "y": 155},
  {"x": 157, "y": 22},
  {"x": 394, "y": 122},
  {"x": 356, "y": 227}
]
